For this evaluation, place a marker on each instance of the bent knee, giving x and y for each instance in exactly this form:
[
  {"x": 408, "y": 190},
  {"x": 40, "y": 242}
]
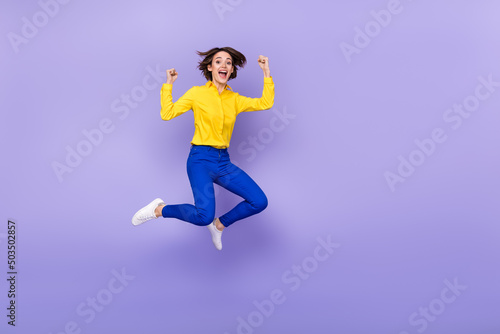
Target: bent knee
[
  {"x": 260, "y": 204},
  {"x": 204, "y": 220}
]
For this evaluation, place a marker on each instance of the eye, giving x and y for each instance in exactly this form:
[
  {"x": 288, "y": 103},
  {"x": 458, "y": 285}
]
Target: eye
[{"x": 217, "y": 62}]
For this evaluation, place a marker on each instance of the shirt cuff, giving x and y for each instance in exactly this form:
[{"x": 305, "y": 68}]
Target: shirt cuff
[
  {"x": 167, "y": 86},
  {"x": 268, "y": 80}
]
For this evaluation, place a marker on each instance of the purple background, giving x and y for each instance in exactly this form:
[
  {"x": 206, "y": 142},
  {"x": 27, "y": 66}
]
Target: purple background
[{"x": 323, "y": 172}]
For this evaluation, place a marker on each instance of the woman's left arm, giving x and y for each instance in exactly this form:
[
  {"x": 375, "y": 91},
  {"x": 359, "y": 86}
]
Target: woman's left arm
[{"x": 267, "y": 99}]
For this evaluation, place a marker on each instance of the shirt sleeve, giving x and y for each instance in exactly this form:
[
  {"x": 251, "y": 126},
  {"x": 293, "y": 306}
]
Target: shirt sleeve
[
  {"x": 170, "y": 109},
  {"x": 265, "y": 102}
]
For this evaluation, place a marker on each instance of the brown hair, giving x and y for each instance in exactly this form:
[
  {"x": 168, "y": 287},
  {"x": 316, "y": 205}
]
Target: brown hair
[{"x": 238, "y": 59}]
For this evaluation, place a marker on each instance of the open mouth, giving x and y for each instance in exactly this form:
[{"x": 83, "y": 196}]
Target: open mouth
[{"x": 223, "y": 74}]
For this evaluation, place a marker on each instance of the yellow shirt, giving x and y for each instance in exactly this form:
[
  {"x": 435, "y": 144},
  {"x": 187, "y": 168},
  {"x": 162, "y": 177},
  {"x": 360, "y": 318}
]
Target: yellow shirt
[{"x": 214, "y": 114}]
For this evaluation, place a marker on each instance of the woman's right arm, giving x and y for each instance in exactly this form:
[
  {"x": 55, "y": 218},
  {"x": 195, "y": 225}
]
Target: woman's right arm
[{"x": 170, "y": 109}]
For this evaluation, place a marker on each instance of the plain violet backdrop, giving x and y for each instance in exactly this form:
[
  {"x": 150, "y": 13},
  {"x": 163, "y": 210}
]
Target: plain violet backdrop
[{"x": 380, "y": 160}]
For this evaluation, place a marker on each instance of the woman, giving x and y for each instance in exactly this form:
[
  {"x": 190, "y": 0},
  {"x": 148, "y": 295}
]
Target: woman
[{"x": 215, "y": 107}]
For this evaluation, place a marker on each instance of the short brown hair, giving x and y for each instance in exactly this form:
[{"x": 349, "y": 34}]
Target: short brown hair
[{"x": 237, "y": 57}]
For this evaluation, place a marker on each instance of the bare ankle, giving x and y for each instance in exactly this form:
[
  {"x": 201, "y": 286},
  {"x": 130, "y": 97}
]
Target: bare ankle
[
  {"x": 158, "y": 210},
  {"x": 219, "y": 225}
]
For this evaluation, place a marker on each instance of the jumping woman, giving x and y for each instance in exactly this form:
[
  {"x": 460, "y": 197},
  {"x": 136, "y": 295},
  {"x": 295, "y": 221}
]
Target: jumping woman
[{"x": 215, "y": 107}]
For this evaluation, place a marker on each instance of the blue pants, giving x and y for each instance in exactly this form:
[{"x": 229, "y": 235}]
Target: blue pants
[{"x": 207, "y": 165}]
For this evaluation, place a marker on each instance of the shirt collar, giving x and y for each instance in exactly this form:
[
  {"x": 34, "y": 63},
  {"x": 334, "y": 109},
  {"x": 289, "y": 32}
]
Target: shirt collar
[{"x": 210, "y": 84}]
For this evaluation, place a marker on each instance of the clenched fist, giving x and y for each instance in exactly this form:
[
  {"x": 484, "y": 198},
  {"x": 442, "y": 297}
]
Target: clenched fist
[
  {"x": 171, "y": 75},
  {"x": 264, "y": 65}
]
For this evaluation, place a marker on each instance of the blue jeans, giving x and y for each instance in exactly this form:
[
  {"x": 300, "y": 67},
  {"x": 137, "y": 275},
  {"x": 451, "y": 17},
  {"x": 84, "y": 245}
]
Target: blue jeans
[{"x": 207, "y": 165}]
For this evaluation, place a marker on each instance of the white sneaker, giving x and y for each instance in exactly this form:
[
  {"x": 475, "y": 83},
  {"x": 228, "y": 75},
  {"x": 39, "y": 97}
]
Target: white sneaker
[
  {"x": 216, "y": 235},
  {"x": 147, "y": 212}
]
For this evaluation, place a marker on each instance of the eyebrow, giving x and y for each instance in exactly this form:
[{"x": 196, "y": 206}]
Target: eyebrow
[{"x": 221, "y": 57}]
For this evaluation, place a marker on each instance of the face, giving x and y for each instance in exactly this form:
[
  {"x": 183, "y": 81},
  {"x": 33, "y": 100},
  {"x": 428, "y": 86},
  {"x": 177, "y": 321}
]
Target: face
[{"x": 221, "y": 67}]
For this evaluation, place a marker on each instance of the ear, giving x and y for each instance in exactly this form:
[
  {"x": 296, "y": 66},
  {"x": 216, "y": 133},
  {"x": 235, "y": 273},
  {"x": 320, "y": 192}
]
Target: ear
[{"x": 209, "y": 67}]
